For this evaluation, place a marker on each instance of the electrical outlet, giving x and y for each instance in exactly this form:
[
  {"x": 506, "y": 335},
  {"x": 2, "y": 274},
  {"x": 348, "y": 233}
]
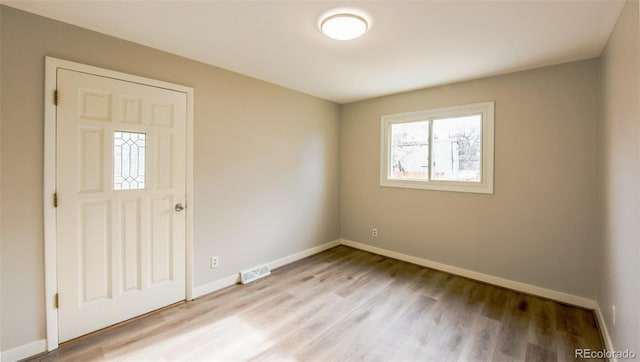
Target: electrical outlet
[
  {"x": 374, "y": 232},
  {"x": 214, "y": 261},
  {"x": 613, "y": 314}
]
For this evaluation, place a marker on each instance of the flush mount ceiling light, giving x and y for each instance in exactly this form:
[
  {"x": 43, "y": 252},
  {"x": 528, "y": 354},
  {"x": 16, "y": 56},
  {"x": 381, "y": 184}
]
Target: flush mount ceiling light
[{"x": 344, "y": 26}]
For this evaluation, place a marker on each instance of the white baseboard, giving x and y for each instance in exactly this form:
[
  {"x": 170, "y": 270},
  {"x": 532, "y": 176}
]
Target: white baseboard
[
  {"x": 215, "y": 285},
  {"x": 303, "y": 254},
  {"x": 517, "y": 286},
  {"x": 235, "y": 278},
  {"x": 24, "y": 351},
  {"x": 602, "y": 325}
]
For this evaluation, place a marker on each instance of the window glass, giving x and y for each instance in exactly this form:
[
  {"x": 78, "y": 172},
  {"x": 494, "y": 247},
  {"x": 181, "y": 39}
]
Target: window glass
[
  {"x": 128, "y": 160},
  {"x": 410, "y": 150},
  {"x": 457, "y": 146}
]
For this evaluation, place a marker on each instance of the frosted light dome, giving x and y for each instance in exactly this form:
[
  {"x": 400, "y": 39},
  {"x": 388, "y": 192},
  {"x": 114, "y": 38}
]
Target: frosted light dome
[{"x": 344, "y": 26}]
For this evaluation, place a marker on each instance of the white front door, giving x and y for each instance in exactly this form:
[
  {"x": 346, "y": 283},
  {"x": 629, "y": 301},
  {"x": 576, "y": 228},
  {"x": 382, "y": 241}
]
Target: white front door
[{"x": 120, "y": 175}]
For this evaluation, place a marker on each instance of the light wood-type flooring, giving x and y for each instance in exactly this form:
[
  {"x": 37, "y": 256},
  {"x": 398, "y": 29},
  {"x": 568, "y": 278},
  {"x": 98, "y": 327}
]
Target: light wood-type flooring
[{"x": 349, "y": 305}]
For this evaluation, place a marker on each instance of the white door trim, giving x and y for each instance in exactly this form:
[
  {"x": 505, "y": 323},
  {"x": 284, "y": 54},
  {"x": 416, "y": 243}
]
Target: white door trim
[{"x": 50, "y": 232}]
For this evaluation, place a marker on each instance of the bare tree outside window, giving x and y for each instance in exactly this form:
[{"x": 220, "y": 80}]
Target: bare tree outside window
[
  {"x": 468, "y": 141},
  {"x": 457, "y": 148}
]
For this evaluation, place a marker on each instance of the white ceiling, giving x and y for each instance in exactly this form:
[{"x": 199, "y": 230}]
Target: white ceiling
[{"x": 410, "y": 44}]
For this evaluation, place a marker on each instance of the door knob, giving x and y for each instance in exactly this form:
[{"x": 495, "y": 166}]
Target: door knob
[{"x": 179, "y": 207}]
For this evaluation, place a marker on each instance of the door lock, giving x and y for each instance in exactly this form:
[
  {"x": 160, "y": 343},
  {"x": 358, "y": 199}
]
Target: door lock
[{"x": 179, "y": 207}]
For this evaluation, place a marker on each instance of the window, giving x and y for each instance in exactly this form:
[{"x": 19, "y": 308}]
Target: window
[
  {"x": 447, "y": 149},
  {"x": 128, "y": 160}
]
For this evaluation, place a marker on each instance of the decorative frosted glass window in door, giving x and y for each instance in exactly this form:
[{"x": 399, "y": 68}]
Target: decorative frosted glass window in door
[{"x": 128, "y": 160}]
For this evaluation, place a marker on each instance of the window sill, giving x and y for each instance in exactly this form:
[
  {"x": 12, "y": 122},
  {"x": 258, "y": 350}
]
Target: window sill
[{"x": 477, "y": 188}]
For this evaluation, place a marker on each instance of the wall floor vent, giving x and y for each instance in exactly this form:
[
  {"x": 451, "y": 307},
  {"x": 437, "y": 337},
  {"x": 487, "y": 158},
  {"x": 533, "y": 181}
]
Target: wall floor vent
[{"x": 256, "y": 273}]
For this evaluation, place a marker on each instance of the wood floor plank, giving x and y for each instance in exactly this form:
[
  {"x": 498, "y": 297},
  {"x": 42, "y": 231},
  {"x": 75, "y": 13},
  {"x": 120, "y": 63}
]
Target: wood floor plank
[
  {"x": 497, "y": 302},
  {"x": 514, "y": 334},
  {"x": 542, "y": 329},
  {"x": 483, "y": 340},
  {"x": 349, "y": 305},
  {"x": 540, "y": 354}
]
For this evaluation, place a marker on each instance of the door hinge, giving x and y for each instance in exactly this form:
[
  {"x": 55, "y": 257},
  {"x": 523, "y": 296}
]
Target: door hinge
[
  {"x": 55, "y": 199},
  {"x": 55, "y": 97},
  {"x": 56, "y": 301}
]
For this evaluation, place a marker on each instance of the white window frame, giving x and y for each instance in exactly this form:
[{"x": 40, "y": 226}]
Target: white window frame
[{"x": 485, "y": 186}]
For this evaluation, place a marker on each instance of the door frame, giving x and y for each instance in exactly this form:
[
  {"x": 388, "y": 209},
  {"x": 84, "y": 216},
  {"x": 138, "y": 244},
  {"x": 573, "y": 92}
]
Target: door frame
[{"x": 50, "y": 229}]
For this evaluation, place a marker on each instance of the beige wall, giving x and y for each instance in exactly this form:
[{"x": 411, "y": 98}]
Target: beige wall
[
  {"x": 619, "y": 283},
  {"x": 266, "y": 161},
  {"x": 540, "y": 225}
]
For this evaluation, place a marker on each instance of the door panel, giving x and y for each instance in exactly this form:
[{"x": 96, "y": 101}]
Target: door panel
[
  {"x": 161, "y": 241},
  {"x": 95, "y": 245},
  {"x": 91, "y": 154},
  {"x": 131, "y": 243},
  {"x": 120, "y": 172}
]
